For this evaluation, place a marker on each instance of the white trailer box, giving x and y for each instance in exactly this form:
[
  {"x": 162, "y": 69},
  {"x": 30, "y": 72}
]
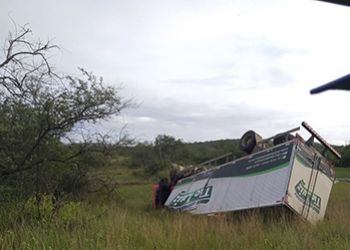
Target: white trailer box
[{"x": 291, "y": 174}]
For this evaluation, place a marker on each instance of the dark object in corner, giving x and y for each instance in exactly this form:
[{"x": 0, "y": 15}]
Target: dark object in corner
[
  {"x": 341, "y": 2},
  {"x": 342, "y": 83}
]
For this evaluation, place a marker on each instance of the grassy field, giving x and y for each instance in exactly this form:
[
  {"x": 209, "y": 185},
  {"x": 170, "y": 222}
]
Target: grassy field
[
  {"x": 342, "y": 172},
  {"x": 131, "y": 223}
]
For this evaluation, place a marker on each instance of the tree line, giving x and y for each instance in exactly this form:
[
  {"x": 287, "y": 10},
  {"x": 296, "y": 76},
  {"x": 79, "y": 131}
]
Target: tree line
[{"x": 165, "y": 150}]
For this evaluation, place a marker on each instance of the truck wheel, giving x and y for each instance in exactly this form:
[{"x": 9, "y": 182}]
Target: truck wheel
[{"x": 248, "y": 141}]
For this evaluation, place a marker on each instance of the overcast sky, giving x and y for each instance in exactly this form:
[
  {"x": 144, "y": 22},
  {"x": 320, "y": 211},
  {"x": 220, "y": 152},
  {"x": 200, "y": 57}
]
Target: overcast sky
[{"x": 204, "y": 70}]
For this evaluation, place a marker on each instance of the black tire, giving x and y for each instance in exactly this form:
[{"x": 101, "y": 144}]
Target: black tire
[{"x": 248, "y": 142}]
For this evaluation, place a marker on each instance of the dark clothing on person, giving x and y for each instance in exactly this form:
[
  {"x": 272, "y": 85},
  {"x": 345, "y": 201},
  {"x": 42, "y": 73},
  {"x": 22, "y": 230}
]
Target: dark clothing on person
[{"x": 163, "y": 192}]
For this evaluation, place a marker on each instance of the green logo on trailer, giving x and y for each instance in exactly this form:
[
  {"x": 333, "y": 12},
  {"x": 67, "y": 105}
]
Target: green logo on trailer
[
  {"x": 188, "y": 200},
  {"x": 307, "y": 197}
]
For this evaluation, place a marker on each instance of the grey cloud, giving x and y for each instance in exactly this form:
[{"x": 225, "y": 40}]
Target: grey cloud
[
  {"x": 127, "y": 40},
  {"x": 219, "y": 79},
  {"x": 271, "y": 77},
  {"x": 193, "y": 122},
  {"x": 272, "y": 51},
  {"x": 278, "y": 76},
  {"x": 263, "y": 47}
]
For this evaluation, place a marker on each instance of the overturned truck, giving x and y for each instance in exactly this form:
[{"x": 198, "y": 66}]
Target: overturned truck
[{"x": 280, "y": 171}]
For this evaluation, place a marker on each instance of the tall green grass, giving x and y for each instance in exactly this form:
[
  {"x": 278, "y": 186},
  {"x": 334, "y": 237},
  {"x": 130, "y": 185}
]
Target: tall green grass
[
  {"x": 342, "y": 172},
  {"x": 131, "y": 223}
]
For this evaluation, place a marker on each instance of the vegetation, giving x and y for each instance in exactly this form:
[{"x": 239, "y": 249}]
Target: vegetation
[
  {"x": 130, "y": 223},
  {"x": 345, "y": 161},
  {"x": 41, "y": 153},
  {"x": 342, "y": 172},
  {"x": 157, "y": 156}
]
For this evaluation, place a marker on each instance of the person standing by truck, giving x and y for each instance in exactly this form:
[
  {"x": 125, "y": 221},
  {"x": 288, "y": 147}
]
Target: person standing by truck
[{"x": 162, "y": 193}]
